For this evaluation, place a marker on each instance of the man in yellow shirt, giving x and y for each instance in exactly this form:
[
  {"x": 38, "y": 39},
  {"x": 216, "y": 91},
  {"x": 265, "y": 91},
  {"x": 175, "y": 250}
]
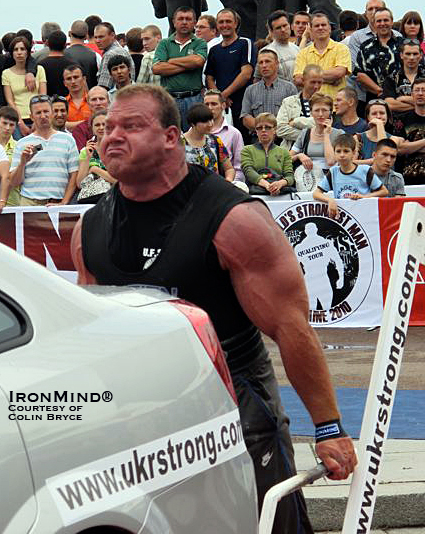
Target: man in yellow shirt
[
  {"x": 8, "y": 120},
  {"x": 333, "y": 57}
]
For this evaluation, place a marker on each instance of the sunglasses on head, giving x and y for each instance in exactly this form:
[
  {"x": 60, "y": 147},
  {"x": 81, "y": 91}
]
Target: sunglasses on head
[
  {"x": 377, "y": 101},
  {"x": 39, "y": 98},
  {"x": 411, "y": 42}
]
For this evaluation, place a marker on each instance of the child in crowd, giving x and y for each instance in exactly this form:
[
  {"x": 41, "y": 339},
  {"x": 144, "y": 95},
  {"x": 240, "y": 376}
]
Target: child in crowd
[{"x": 347, "y": 179}]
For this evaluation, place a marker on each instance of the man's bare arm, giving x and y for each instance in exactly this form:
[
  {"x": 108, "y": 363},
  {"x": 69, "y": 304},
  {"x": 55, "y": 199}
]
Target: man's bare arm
[
  {"x": 334, "y": 74},
  {"x": 84, "y": 276},
  {"x": 269, "y": 285},
  {"x": 240, "y": 81},
  {"x": 194, "y": 61},
  {"x": 164, "y": 68}
]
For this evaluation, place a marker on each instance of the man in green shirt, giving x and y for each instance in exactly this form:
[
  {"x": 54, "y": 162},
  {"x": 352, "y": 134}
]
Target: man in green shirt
[{"x": 179, "y": 60}]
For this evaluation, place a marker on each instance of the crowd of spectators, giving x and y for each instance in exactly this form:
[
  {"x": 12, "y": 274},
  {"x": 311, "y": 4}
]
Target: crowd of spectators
[{"x": 271, "y": 116}]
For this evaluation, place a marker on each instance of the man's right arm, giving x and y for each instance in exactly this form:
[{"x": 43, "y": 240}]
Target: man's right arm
[
  {"x": 20, "y": 158},
  {"x": 269, "y": 285},
  {"x": 84, "y": 275}
]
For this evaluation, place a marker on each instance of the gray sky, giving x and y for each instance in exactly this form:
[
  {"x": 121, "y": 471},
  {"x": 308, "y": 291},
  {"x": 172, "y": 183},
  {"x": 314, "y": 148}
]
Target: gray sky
[{"x": 123, "y": 14}]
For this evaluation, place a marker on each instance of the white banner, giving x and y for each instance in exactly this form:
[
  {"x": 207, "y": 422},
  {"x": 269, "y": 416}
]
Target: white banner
[{"x": 340, "y": 258}]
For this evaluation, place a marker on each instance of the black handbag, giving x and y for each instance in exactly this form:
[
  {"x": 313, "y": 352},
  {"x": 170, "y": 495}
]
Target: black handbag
[{"x": 272, "y": 176}]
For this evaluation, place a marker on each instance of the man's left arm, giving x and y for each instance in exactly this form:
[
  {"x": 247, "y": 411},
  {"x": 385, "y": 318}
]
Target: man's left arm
[
  {"x": 70, "y": 188},
  {"x": 73, "y": 164},
  {"x": 195, "y": 60},
  {"x": 240, "y": 81},
  {"x": 342, "y": 67},
  {"x": 248, "y": 119},
  {"x": 103, "y": 77},
  {"x": 269, "y": 285}
]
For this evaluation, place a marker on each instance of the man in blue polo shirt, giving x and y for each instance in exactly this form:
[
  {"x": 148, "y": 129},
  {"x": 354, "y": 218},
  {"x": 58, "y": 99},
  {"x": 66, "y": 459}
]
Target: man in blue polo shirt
[
  {"x": 46, "y": 161},
  {"x": 230, "y": 65},
  {"x": 179, "y": 60}
]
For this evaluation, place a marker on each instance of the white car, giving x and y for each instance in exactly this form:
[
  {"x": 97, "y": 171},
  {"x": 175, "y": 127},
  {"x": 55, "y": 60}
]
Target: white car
[{"x": 117, "y": 413}]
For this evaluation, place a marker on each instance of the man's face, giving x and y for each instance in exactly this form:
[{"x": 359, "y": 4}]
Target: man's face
[
  {"x": 268, "y": 65},
  {"x": 121, "y": 75},
  {"x": 215, "y": 105},
  {"x": 226, "y": 24},
  {"x": 134, "y": 138},
  {"x": 281, "y": 30},
  {"x": 418, "y": 94},
  {"x": 383, "y": 24},
  {"x": 184, "y": 22},
  {"x": 150, "y": 40},
  {"x": 98, "y": 99},
  {"x": 320, "y": 28},
  {"x": 299, "y": 24},
  {"x": 384, "y": 159},
  {"x": 341, "y": 103},
  {"x": 203, "y": 30},
  {"x": 41, "y": 114},
  {"x": 7, "y": 127},
  {"x": 73, "y": 80},
  {"x": 411, "y": 56},
  {"x": 103, "y": 37},
  {"x": 371, "y": 7},
  {"x": 60, "y": 115},
  {"x": 313, "y": 83}
]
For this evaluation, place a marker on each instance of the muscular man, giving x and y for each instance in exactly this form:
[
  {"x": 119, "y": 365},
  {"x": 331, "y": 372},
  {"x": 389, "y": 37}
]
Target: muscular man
[{"x": 238, "y": 267}]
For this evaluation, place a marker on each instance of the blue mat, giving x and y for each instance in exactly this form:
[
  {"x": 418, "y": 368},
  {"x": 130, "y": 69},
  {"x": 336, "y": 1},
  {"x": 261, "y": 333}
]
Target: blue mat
[{"x": 407, "y": 421}]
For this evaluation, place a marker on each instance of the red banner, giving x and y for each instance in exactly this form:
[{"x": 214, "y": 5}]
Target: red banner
[{"x": 389, "y": 222}]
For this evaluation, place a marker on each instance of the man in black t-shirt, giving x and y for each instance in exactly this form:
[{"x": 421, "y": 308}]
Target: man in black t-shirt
[
  {"x": 230, "y": 65},
  {"x": 208, "y": 242},
  {"x": 55, "y": 63},
  {"x": 77, "y": 52},
  {"x": 411, "y": 126},
  {"x": 398, "y": 86}
]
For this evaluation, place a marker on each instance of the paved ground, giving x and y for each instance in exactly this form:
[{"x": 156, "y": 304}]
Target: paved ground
[
  {"x": 401, "y": 494},
  {"x": 350, "y": 353}
]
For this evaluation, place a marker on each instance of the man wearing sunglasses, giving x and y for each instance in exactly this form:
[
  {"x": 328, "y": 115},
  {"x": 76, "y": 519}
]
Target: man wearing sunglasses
[
  {"x": 398, "y": 87},
  {"x": 46, "y": 161}
]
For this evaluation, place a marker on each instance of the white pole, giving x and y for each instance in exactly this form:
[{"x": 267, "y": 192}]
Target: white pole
[
  {"x": 409, "y": 254},
  {"x": 275, "y": 494}
]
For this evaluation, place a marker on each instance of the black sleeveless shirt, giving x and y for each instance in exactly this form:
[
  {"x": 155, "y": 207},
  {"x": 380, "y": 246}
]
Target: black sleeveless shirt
[{"x": 167, "y": 243}]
